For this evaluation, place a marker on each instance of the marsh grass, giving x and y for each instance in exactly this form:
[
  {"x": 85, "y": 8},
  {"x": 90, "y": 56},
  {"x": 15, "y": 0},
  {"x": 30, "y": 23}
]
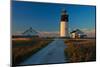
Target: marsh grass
[
  {"x": 81, "y": 50},
  {"x": 23, "y": 49}
]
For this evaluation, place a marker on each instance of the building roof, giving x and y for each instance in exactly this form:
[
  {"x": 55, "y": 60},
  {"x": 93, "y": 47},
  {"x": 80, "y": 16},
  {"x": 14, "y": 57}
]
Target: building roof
[
  {"x": 30, "y": 31},
  {"x": 77, "y": 31}
]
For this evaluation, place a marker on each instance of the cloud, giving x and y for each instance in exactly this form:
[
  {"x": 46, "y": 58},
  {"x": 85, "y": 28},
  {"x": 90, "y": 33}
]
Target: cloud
[
  {"x": 49, "y": 34},
  {"x": 17, "y": 33},
  {"x": 89, "y": 32},
  {"x": 41, "y": 34}
]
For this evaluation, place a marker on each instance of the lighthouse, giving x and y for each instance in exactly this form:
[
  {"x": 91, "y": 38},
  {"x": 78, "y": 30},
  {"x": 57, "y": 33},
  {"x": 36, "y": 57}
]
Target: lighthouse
[{"x": 64, "y": 24}]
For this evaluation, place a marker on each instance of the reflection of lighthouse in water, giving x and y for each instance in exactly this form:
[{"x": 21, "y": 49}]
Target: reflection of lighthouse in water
[{"x": 64, "y": 24}]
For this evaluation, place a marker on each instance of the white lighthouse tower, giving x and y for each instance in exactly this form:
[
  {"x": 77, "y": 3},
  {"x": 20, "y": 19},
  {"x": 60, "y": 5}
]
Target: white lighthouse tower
[{"x": 64, "y": 24}]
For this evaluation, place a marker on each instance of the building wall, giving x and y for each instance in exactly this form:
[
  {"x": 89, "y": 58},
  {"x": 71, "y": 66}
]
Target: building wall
[
  {"x": 73, "y": 35},
  {"x": 63, "y": 29}
]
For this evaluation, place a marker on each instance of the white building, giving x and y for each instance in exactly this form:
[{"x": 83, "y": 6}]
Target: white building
[{"x": 78, "y": 34}]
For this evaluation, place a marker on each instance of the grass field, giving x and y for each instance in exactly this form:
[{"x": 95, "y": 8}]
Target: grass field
[
  {"x": 23, "y": 49},
  {"x": 80, "y": 50}
]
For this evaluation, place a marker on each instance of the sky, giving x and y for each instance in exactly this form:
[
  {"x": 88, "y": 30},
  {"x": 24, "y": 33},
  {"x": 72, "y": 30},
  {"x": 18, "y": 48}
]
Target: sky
[{"x": 45, "y": 17}]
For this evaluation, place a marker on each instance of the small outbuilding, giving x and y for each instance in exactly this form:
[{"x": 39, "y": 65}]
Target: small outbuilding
[{"x": 77, "y": 34}]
